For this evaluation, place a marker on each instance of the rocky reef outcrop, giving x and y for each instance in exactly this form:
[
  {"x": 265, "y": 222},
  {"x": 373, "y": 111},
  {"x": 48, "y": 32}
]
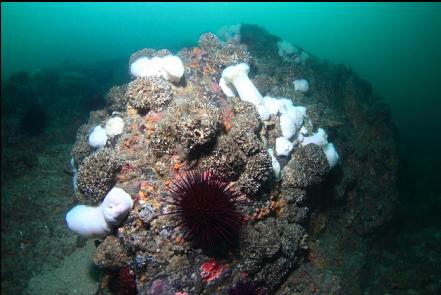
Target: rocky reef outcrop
[{"x": 191, "y": 125}]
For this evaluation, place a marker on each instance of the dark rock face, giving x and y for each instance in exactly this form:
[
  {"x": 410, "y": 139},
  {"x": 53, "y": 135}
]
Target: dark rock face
[{"x": 110, "y": 254}]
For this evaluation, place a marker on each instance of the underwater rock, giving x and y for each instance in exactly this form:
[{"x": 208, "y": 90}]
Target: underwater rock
[
  {"x": 273, "y": 241},
  {"x": 116, "y": 98},
  {"x": 295, "y": 214},
  {"x": 110, "y": 254},
  {"x": 192, "y": 125},
  {"x": 308, "y": 166},
  {"x": 258, "y": 171},
  {"x": 225, "y": 158},
  {"x": 264, "y": 83},
  {"x": 209, "y": 42},
  {"x": 257, "y": 243},
  {"x": 246, "y": 117},
  {"x": 231, "y": 54},
  {"x": 171, "y": 129}
]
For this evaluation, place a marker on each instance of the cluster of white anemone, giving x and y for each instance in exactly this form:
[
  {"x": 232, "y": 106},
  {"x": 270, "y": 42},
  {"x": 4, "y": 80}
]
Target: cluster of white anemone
[
  {"x": 98, "y": 221},
  {"x": 291, "y": 118},
  {"x": 94, "y": 222},
  {"x": 99, "y": 136}
]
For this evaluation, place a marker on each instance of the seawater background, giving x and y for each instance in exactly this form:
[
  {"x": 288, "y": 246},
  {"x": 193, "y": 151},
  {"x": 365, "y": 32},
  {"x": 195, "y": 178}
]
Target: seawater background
[{"x": 395, "y": 46}]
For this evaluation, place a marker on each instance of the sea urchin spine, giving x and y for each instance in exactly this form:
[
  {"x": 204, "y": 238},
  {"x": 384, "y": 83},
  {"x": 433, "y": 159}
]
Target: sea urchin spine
[{"x": 207, "y": 208}]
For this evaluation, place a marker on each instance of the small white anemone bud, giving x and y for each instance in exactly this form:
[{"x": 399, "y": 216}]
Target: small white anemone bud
[
  {"x": 301, "y": 85},
  {"x": 98, "y": 137},
  {"x": 114, "y": 126}
]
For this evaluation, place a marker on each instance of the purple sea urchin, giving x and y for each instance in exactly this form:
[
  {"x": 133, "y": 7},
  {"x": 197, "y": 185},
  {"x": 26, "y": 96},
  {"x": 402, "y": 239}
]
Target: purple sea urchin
[
  {"x": 246, "y": 287},
  {"x": 207, "y": 208}
]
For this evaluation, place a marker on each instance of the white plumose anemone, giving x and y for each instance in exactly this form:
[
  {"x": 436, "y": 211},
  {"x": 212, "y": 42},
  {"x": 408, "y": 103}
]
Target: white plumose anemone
[
  {"x": 87, "y": 222},
  {"x": 97, "y": 222},
  {"x": 237, "y": 75},
  {"x": 170, "y": 67}
]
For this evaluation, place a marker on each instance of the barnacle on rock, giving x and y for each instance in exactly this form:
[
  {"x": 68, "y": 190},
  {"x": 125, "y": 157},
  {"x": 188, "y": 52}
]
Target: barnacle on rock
[
  {"x": 96, "y": 175},
  {"x": 149, "y": 93},
  {"x": 192, "y": 124},
  {"x": 81, "y": 148}
]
